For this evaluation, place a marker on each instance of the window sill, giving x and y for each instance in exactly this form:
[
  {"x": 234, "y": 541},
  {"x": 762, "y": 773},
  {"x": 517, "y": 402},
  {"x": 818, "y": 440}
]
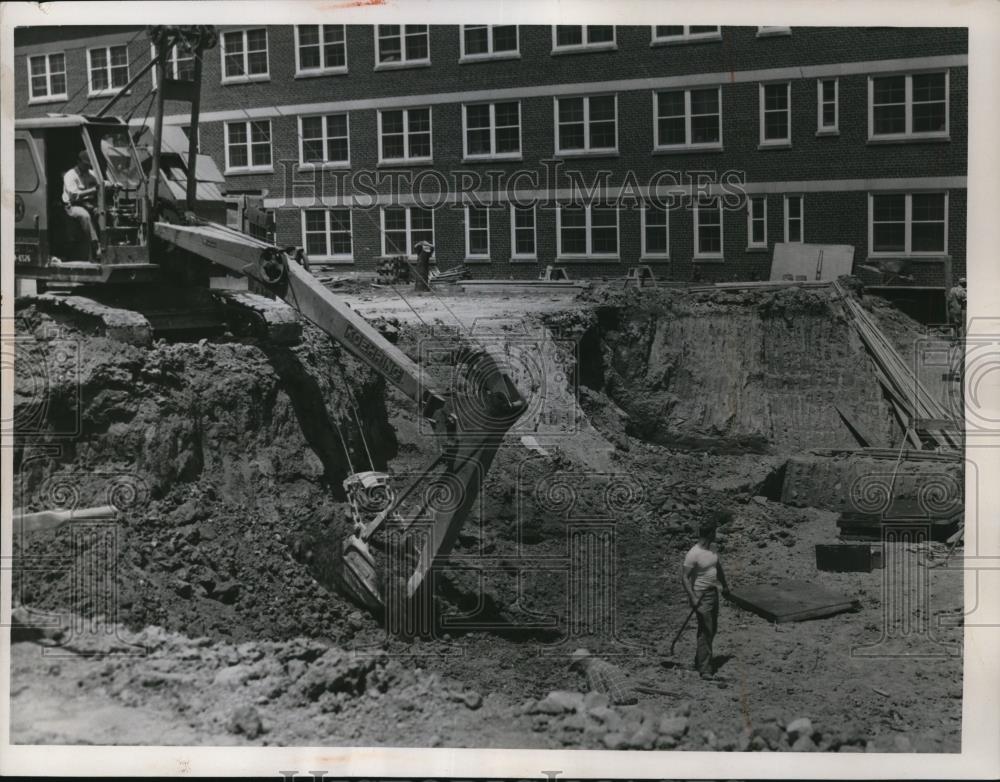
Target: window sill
[
  {"x": 586, "y": 47},
  {"x": 47, "y": 99},
  {"x": 686, "y": 150},
  {"x": 708, "y": 259},
  {"x": 330, "y": 259},
  {"x": 524, "y": 259},
  {"x": 655, "y": 258},
  {"x": 468, "y": 59},
  {"x": 595, "y": 154},
  {"x": 493, "y": 159},
  {"x": 774, "y": 145},
  {"x": 831, "y": 132},
  {"x": 245, "y": 170},
  {"x": 589, "y": 258},
  {"x": 404, "y": 163},
  {"x": 321, "y": 72},
  {"x": 226, "y": 81},
  {"x": 106, "y": 93},
  {"x": 401, "y": 65},
  {"x": 338, "y": 165},
  {"x": 938, "y": 137},
  {"x": 773, "y": 33},
  {"x": 707, "y": 38},
  {"x": 476, "y": 259}
]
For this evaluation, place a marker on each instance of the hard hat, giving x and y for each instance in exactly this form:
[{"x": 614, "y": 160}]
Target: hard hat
[{"x": 578, "y": 657}]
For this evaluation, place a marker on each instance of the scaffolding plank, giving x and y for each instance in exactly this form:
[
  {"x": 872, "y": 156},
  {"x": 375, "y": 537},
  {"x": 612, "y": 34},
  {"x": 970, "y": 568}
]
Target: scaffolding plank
[{"x": 791, "y": 601}]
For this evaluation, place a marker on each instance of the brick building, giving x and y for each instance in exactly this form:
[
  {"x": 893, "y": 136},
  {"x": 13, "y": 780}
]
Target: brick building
[{"x": 830, "y": 135}]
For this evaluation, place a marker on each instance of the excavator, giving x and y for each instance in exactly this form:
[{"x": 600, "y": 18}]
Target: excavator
[{"x": 153, "y": 246}]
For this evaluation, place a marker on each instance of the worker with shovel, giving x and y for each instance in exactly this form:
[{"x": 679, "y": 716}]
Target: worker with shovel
[{"x": 702, "y": 575}]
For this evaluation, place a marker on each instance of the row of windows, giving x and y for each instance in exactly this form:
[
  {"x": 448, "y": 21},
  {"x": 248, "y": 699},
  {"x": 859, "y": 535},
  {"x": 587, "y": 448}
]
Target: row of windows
[
  {"x": 898, "y": 224},
  {"x": 322, "y": 50},
  {"x": 900, "y": 107}
]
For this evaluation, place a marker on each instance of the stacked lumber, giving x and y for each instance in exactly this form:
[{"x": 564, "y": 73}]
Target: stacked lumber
[
  {"x": 453, "y": 274},
  {"x": 911, "y": 402}
]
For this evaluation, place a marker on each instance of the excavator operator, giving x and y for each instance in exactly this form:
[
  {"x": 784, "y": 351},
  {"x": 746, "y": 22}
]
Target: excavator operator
[{"x": 80, "y": 199}]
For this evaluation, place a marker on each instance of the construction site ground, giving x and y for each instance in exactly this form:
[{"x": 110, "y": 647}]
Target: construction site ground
[{"x": 214, "y": 624}]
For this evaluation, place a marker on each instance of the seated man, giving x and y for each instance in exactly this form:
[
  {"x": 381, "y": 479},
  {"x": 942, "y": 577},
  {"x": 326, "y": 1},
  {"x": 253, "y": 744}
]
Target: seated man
[{"x": 80, "y": 197}]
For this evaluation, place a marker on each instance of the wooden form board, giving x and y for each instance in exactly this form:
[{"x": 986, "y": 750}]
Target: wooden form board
[
  {"x": 809, "y": 262},
  {"x": 791, "y": 601}
]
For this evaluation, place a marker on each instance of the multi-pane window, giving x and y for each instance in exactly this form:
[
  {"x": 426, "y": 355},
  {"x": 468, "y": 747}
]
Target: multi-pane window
[
  {"x": 403, "y": 227},
  {"x": 688, "y": 118},
  {"x": 179, "y": 64},
  {"x": 683, "y": 33},
  {"x": 756, "y": 222},
  {"x": 568, "y": 36},
  {"x": 107, "y": 69},
  {"x": 708, "y": 228},
  {"x": 324, "y": 139},
  {"x": 793, "y": 219},
  {"x": 397, "y": 44},
  {"x": 827, "y": 109},
  {"x": 477, "y": 232},
  {"x": 522, "y": 230},
  {"x": 908, "y": 223},
  {"x": 655, "y": 231},
  {"x": 248, "y": 144},
  {"x": 908, "y": 106},
  {"x": 405, "y": 134},
  {"x": 586, "y": 124},
  {"x": 775, "y": 113},
  {"x": 484, "y": 41},
  {"x": 326, "y": 234},
  {"x": 47, "y": 77},
  {"x": 590, "y": 230},
  {"x": 320, "y": 48},
  {"x": 493, "y": 129},
  {"x": 244, "y": 55}
]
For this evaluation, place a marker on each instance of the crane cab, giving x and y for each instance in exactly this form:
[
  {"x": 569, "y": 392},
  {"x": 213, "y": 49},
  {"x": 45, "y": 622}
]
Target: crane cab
[{"x": 49, "y": 245}]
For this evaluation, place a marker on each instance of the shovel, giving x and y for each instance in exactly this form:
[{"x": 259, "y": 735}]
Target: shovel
[{"x": 670, "y": 661}]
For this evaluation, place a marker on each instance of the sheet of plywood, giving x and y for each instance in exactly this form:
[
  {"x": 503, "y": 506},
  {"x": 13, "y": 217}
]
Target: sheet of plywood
[
  {"x": 809, "y": 262},
  {"x": 791, "y": 601}
]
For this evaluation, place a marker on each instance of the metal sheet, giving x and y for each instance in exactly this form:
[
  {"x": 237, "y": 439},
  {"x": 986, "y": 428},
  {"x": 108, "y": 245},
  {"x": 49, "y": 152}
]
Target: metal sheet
[{"x": 791, "y": 601}]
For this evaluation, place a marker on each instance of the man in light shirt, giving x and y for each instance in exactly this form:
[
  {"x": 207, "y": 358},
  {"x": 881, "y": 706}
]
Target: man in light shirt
[
  {"x": 79, "y": 197},
  {"x": 702, "y": 576}
]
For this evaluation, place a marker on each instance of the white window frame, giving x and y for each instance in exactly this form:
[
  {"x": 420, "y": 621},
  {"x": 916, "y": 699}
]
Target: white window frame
[
  {"x": 821, "y": 129},
  {"x": 908, "y": 224},
  {"x": 709, "y": 256},
  {"x": 784, "y": 142},
  {"x": 406, "y": 136},
  {"x": 469, "y": 255},
  {"x": 329, "y": 256},
  {"x": 49, "y": 97},
  {"x": 244, "y": 77},
  {"x": 403, "y": 62},
  {"x": 768, "y": 32},
  {"x": 514, "y": 254},
  {"x": 599, "y": 46},
  {"x": 91, "y": 92},
  {"x": 908, "y": 134},
  {"x": 686, "y": 37},
  {"x": 646, "y": 254},
  {"x": 588, "y": 224},
  {"x": 249, "y": 167},
  {"x": 493, "y": 155},
  {"x": 657, "y": 146},
  {"x": 587, "y": 150},
  {"x": 751, "y": 217},
  {"x": 801, "y": 218},
  {"x": 171, "y": 64},
  {"x": 322, "y": 70},
  {"x": 489, "y": 54},
  {"x": 306, "y": 166},
  {"x": 409, "y": 230}
]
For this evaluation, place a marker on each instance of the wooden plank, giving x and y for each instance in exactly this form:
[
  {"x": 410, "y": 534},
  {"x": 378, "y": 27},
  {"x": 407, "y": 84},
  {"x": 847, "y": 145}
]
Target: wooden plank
[{"x": 791, "y": 601}]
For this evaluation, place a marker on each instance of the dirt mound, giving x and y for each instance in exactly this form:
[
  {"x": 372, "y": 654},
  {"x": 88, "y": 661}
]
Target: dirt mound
[{"x": 730, "y": 371}]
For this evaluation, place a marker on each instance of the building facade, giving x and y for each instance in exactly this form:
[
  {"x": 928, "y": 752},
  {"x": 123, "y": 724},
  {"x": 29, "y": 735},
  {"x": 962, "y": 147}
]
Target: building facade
[{"x": 690, "y": 149}]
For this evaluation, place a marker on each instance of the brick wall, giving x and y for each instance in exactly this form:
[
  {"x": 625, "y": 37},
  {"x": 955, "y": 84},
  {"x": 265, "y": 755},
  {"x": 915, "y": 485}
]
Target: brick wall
[{"x": 829, "y": 217}]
